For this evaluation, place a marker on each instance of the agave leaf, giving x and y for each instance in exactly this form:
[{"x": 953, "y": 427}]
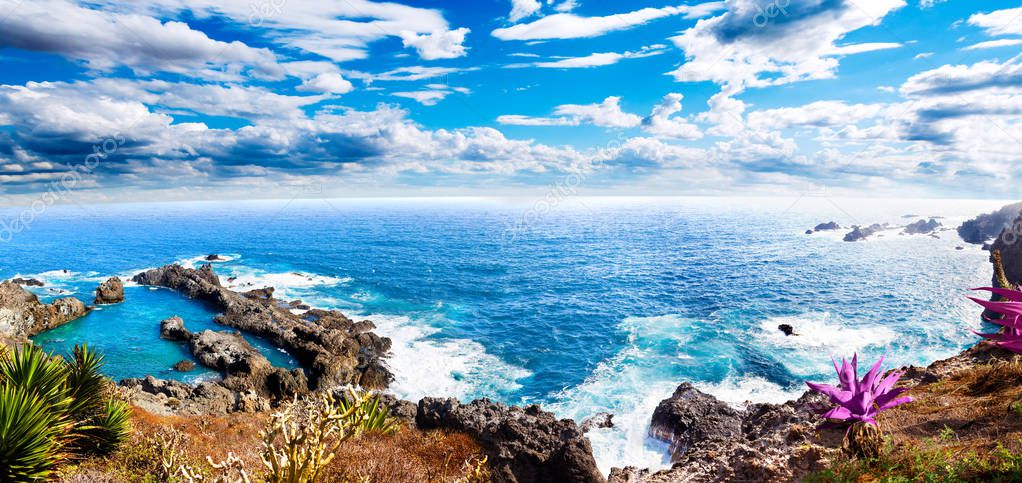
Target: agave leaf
[
  {"x": 1012, "y": 295},
  {"x": 861, "y": 400},
  {"x": 1013, "y": 309}
]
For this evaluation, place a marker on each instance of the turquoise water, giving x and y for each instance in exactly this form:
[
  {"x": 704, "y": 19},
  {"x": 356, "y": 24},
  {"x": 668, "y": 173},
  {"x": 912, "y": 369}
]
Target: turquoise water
[{"x": 581, "y": 304}]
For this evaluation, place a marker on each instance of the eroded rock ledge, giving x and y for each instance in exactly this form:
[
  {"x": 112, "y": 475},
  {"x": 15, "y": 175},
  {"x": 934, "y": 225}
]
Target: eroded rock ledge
[
  {"x": 331, "y": 347},
  {"x": 22, "y": 315}
]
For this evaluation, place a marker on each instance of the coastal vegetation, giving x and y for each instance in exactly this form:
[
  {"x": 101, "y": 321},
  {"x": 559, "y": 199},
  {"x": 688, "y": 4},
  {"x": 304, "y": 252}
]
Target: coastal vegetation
[{"x": 55, "y": 409}]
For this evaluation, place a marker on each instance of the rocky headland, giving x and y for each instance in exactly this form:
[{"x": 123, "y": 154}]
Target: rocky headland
[{"x": 984, "y": 228}]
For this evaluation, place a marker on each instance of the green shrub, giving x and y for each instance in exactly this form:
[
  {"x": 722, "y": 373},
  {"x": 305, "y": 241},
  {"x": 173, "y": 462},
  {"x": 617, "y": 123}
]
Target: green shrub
[
  {"x": 52, "y": 409},
  {"x": 366, "y": 414}
]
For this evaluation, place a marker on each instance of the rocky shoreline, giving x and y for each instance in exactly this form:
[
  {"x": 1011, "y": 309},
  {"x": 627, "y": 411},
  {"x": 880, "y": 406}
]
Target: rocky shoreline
[{"x": 709, "y": 439}]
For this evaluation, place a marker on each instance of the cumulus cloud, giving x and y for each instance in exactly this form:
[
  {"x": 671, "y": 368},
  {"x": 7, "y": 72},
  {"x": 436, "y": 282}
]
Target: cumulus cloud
[
  {"x": 106, "y": 40},
  {"x": 523, "y": 8},
  {"x": 994, "y": 44},
  {"x": 340, "y": 31},
  {"x": 745, "y": 47},
  {"x": 570, "y": 26},
  {"x": 426, "y": 97},
  {"x": 660, "y": 123},
  {"x": 999, "y": 22},
  {"x": 441, "y": 44}
]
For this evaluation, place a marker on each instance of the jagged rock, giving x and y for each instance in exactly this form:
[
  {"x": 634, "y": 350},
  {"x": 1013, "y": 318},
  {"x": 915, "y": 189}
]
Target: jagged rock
[
  {"x": 922, "y": 227},
  {"x": 787, "y": 329},
  {"x": 282, "y": 383},
  {"x": 689, "y": 417},
  {"x": 184, "y": 366},
  {"x": 399, "y": 408},
  {"x": 173, "y": 328},
  {"x": 829, "y": 226},
  {"x": 985, "y": 227},
  {"x": 523, "y": 445},
  {"x": 597, "y": 421},
  {"x": 244, "y": 368},
  {"x": 213, "y": 257},
  {"x": 861, "y": 233},
  {"x": 771, "y": 442},
  {"x": 1009, "y": 244},
  {"x": 110, "y": 292},
  {"x": 324, "y": 342},
  {"x": 22, "y": 314},
  {"x": 28, "y": 282}
]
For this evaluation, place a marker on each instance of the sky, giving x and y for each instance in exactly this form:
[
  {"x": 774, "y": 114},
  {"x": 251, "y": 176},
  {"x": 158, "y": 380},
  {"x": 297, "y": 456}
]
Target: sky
[{"x": 201, "y": 99}]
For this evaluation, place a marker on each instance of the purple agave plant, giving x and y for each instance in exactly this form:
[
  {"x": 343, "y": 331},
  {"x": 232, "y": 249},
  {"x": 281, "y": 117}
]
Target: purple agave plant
[
  {"x": 861, "y": 400},
  {"x": 1011, "y": 337}
]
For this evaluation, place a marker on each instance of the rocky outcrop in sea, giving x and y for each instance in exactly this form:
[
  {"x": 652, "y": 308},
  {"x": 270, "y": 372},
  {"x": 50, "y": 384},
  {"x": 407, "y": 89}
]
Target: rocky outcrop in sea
[
  {"x": 110, "y": 292},
  {"x": 22, "y": 315},
  {"x": 986, "y": 227}
]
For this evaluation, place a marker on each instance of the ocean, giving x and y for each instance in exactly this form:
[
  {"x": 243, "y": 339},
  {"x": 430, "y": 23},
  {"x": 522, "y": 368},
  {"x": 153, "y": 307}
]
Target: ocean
[{"x": 582, "y": 305}]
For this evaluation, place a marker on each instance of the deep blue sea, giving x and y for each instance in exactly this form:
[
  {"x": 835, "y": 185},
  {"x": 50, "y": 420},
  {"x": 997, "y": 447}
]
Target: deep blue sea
[{"x": 584, "y": 305}]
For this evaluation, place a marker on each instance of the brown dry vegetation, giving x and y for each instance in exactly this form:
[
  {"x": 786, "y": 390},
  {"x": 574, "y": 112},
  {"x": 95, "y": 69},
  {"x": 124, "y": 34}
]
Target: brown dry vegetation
[
  {"x": 965, "y": 427},
  {"x": 408, "y": 455}
]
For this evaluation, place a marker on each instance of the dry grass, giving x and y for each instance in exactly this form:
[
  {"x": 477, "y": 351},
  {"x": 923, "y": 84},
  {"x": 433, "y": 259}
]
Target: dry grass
[{"x": 408, "y": 455}]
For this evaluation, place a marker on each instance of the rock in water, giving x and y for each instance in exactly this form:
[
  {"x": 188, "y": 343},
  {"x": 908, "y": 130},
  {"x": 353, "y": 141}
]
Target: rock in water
[
  {"x": 689, "y": 417},
  {"x": 985, "y": 227},
  {"x": 598, "y": 421},
  {"x": 922, "y": 227},
  {"x": 861, "y": 233},
  {"x": 213, "y": 257},
  {"x": 787, "y": 329},
  {"x": 22, "y": 315},
  {"x": 173, "y": 328},
  {"x": 110, "y": 292},
  {"x": 325, "y": 342},
  {"x": 28, "y": 282},
  {"x": 184, "y": 366},
  {"x": 829, "y": 226},
  {"x": 523, "y": 444}
]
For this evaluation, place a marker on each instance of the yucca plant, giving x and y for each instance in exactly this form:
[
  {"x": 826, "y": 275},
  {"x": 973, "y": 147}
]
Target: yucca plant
[
  {"x": 1010, "y": 337},
  {"x": 54, "y": 408},
  {"x": 30, "y": 435},
  {"x": 367, "y": 415}
]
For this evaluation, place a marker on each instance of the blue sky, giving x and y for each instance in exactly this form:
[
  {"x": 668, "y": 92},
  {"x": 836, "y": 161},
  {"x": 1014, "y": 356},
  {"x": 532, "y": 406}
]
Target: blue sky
[{"x": 191, "y": 99}]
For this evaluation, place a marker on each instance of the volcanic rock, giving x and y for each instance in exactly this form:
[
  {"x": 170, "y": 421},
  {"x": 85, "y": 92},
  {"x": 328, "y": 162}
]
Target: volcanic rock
[
  {"x": 523, "y": 444},
  {"x": 922, "y": 227},
  {"x": 597, "y": 421},
  {"x": 184, "y": 366},
  {"x": 324, "y": 342},
  {"x": 173, "y": 328},
  {"x": 985, "y": 227},
  {"x": 689, "y": 417},
  {"x": 110, "y": 292},
  {"x": 28, "y": 282},
  {"x": 22, "y": 314}
]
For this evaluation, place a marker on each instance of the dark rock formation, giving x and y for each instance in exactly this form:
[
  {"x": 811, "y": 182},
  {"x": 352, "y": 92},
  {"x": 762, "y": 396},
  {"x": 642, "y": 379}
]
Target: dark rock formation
[
  {"x": 173, "y": 328},
  {"x": 523, "y": 445},
  {"x": 22, "y": 314},
  {"x": 110, "y": 292},
  {"x": 984, "y": 228},
  {"x": 230, "y": 354},
  {"x": 787, "y": 329},
  {"x": 1009, "y": 244},
  {"x": 326, "y": 343},
  {"x": 922, "y": 227},
  {"x": 597, "y": 421},
  {"x": 28, "y": 282},
  {"x": 213, "y": 257},
  {"x": 689, "y": 417},
  {"x": 829, "y": 226},
  {"x": 763, "y": 442},
  {"x": 861, "y": 233},
  {"x": 184, "y": 366}
]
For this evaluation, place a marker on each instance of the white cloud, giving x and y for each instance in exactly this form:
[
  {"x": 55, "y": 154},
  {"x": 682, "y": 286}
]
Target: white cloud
[
  {"x": 923, "y": 55},
  {"x": 660, "y": 123},
  {"x": 999, "y": 22},
  {"x": 993, "y": 44},
  {"x": 816, "y": 114},
  {"x": 864, "y": 47},
  {"x": 570, "y": 26},
  {"x": 441, "y": 44},
  {"x": 340, "y": 31},
  {"x": 426, "y": 98},
  {"x": 523, "y": 8},
  {"x": 327, "y": 83},
  {"x": 745, "y": 48},
  {"x": 606, "y": 114},
  {"x": 105, "y": 40},
  {"x": 595, "y": 60}
]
